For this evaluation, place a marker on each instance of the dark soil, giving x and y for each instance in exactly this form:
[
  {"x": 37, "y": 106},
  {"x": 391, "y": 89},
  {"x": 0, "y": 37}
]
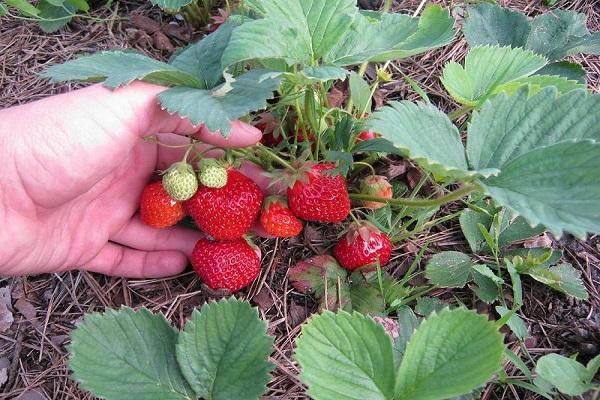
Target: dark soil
[{"x": 47, "y": 307}]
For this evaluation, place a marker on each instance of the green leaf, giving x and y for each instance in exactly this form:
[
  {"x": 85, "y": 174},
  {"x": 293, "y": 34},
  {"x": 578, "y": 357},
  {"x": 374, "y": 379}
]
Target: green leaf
[
  {"x": 383, "y": 36},
  {"x": 562, "y": 33},
  {"x": 517, "y": 362},
  {"x": 489, "y": 24},
  {"x": 515, "y": 323},
  {"x": 408, "y": 322},
  {"x": 170, "y": 5},
  {"x": 437, "y": 147},
  {"x": 321, "y": 73},
  {"x": 342, "y": 158},
  {"x": 427, "y": 305},
  {"x": 507, "y": 127},
  {"x": 346, "y": 356},
  {"x": 450, "y": 354},
  {"x": 567, "y": 375},
  {"x": 488, "y": 273},
  {"x": 469, "y": 224},
  {"x": 306, "y": 30},
  {"x": 366, "y": 298},
  {"x": 555, "y": 34},
  {"x": 563, "y": 278},
  {"x": 537, "y": 82},
  {"x": 203, "y": 59},
  {"x": 3, "y": 9},
  {"x": 450, "y": 269},
  {"x": 360, "y": 93},
  {"x": 81, "y": 5},
  {"x": 24, "y": 6},
  {"x": 223, "y": 351},
  {"x": 592, "y": 367},
  {"x": 129, "y": 355},
  {"x": 566, "y": 69},
  {"x": 117, "y": 68},
  {"x": 377, "y": 145},
  {"x": 485, "y": 288},
  {"x": 249, "y": 92},
  {"x": 539, "y": 186},
  {"x": 61, "y": 14},
  {"x": 486, "y": 69},
  {"x": 516, "y": 284}
]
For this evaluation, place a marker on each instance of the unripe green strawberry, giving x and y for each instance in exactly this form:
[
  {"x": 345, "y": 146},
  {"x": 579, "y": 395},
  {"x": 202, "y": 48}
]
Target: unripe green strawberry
[
  {"x": 212, "y": 174},
  {"x": 180, "y": 181}
]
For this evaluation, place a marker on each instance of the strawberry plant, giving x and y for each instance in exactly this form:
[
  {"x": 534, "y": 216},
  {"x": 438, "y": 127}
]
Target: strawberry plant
[{"x": 529, "y": 164}]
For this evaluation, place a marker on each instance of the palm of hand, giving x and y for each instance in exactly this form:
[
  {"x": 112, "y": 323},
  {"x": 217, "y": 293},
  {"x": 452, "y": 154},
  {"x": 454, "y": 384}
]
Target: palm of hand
[{"x": 79, "y": 181}]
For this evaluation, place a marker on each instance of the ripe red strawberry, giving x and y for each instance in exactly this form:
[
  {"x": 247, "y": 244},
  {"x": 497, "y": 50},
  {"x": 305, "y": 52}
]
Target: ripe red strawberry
[
  {"x": 378, "y": 186},
  {"x": 278, "y": 220},
  {"x": 362, "y": 246},
  {"x": 158, "y": 209},
  {"x": 226, "y": 213},
  {"x": 318, "y": 197},
  {"x": 230, "y": 265}
]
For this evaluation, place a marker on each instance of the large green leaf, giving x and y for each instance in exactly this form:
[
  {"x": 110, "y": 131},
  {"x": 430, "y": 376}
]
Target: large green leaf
[
  {"x": 556, "y": 34},
  {"x": 450, "y": 269},
  {"x": 424, "y": 134},
  {"x": 127, "y": 355},
  {"x": 24, "y": 6},
  {"x": 450, "y": 354},
  {"x": 360, "y": 93},
  {"x": 305, "y": 30},
  {"x": 346, "y": 356},
  {"x": 203, "y": 59},
  {"x": 486, "y": 69},
  {"x": 223, "y": 351},
  {"x": 567, "y": 375},
  {"x": 489, "y": 24},
  {"x": 557, "y": 186},
  {"x": 217, "y": 108},
  {"x": 383, "y": 36},
  {"x": 508, "y": 127},
  {"x": 117, "y": 68},
  {"x": 561, "y": 33}
]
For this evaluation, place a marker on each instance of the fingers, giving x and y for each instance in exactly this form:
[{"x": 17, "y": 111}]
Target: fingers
[
  {"x": 139, "y": 236},
  {"x": 117, "y": 260},
  {"x": 241, "y": 135}
]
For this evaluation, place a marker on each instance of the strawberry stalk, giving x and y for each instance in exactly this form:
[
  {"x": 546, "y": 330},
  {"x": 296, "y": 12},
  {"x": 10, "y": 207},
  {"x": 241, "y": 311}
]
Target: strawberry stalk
[{"x": 419, "y": 203}]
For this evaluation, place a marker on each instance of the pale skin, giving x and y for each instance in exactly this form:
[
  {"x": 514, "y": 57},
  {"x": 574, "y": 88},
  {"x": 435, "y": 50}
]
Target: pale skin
[{"x": 73, "y": 169}]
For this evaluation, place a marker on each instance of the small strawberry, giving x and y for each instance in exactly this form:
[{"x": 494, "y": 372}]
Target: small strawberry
[
  {"x": 226, "y": 213},
  {"x": 180, "y": 181},
  {"x": 278, "y": 220},
  {"x": 367, "y": 135},
  {"x": 212, "y": 174},
  {"x": 362, "y": 246},
  {"x": 378, "y": 186},
  {"x": 230, "y": 265},
  {"x": 315, "y": 196},
  {"x": 158, "y": 209}
]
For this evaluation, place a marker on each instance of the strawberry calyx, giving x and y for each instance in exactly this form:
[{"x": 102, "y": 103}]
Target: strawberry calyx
[{"x": 362, "y": 229}]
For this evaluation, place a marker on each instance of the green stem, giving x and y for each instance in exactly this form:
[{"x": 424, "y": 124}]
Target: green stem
[
  {"x": 454, "y": 115},
  {"x": 276, "y": 158},
  {"x": 367, "y": 165},
  {"x": 387, "y": 6},
  {"x": 457, "y": 194}
]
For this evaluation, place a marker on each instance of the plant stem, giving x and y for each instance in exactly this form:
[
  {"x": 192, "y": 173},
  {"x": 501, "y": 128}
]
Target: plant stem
[
  {"x": 454, "y": 115},
  {"x": 276, "y": 158},
  {"x": 457, "y": 194},
  {"x": 367, "y": 165}
]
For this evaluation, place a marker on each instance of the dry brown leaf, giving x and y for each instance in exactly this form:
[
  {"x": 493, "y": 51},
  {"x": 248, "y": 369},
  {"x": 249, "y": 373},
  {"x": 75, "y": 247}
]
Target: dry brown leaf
[
  {"x": 144, "y": 23},
  {"x": 391, "y": 326},
  {"x": 177, "y": 31},
  {"x": 263, "y": 299},
  {"x": 162, "y": 42},
  {"x": 31, "y": 395},
  {"x": 26, "y": 309},
  {"x": 336, "y": 97},
  {"x": 296, "y": 314}
]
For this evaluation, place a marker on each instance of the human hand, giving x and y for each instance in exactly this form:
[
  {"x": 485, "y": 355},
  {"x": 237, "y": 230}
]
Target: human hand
[{"x": 73, "y": 169}]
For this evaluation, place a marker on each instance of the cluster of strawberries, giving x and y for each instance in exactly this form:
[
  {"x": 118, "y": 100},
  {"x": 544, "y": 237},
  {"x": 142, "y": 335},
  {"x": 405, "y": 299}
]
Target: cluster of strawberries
[{"x": 225, "y": 205}]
